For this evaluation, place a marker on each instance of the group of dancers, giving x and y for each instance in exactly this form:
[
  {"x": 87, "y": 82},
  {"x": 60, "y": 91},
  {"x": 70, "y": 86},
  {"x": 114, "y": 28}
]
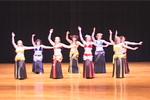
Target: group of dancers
[{"x": 90, "y": 67}]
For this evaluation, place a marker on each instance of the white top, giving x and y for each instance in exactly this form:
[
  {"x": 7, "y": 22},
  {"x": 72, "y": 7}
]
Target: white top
[
  {"x": 38, "y": 56},
  {"x": 38, "y": 50},
  {"x": 57, "y": 51},
  {"x": 99, "y": 45}
]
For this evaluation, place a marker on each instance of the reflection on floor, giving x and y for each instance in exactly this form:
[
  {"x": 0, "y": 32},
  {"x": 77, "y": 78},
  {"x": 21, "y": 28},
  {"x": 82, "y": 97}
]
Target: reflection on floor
[{"x": 136, "y": 85}]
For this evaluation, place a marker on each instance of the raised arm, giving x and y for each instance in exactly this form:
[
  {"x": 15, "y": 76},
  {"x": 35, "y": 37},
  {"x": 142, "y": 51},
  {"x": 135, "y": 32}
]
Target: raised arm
[
  {"x": 133, "y": 43},
  {"x": 93, "y": 33},
  {"x": 80, "y": 34},
  {"x": 33, "y": 42},
  {"x": 13, "y": 40},
  {"x": 29, "y": 47},
  {"x": 128, "y": 47},
  {"x": 116, "y": 34},
  {"x": 49, "y": 37},
  {"x": 106, "y": 42},
  {"x": 47, "y": 47},
  {"x": 110, "y": 37},
  {"x": 80, "y": 44},
  {"x": 67, "y": 37},
  {"x": 66, "y": 46},
  {"x": 106, "y": 45}
]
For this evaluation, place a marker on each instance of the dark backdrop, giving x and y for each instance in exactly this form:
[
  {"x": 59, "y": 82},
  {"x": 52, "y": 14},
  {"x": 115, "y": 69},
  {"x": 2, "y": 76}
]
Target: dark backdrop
[{"x": 131, "y": 19}]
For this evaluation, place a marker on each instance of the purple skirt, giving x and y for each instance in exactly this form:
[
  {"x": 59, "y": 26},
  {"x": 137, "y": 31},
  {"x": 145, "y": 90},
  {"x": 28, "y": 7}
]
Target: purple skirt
[{"x": 37, "y": 67}]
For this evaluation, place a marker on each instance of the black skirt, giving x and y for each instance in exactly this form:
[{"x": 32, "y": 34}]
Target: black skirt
[
  {"x": 88, "y": 69},
  {"x": 127, "y": 70},
  {"x": 20, "y": 70},
  {"x": 37, "y": 67},
  {"x": 100, "y": 63},
  {"x": 56, "y": 71},
  {"x": 119, "y": 68},
  {"x": 73, "y": 67}
]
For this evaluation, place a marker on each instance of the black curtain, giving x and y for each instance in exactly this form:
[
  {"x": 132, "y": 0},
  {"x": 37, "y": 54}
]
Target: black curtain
[{"x": 130, "y": 18}]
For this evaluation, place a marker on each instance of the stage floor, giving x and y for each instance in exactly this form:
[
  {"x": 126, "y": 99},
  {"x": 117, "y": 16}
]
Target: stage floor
[{"x": 136, "y": 85}]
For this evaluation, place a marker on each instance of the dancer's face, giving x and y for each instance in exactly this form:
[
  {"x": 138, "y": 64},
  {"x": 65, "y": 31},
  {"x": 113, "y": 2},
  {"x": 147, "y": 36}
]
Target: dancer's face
[
  {"x": 38, "y": 43},
  {"x": 88, "y": 39},
  {"x": 74, "y": 39},
  {"x": 99, "y": 36},
  {"x": 57, "y": 39},
  {"x": 117, "y": 40},
  {"x": 20, "y": 43},
  {"x": 123, "y": 39}
]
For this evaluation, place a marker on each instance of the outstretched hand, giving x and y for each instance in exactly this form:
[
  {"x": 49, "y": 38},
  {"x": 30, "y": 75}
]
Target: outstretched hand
[
  {"x": 67, "y": 32},
  {"x": 135, "y": 48},
  {"x": 13, "y": 34},
  {"x": 140, "y": 43},
  {"x": 51, "y": 31},
  {"x": 79, "y": 28},
  {"x": 33, "y": 35},
  {"x": 110, "y": 31},
  {"x": 94, "y": 29},
  {"x": 116, "y": 32}
]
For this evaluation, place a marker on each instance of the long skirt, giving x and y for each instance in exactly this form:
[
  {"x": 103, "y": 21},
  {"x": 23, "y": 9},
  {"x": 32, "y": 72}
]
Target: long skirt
[
  {"x": 88, "y": 69},
  {"x": 20, "y": 70},
  {"x": 127, "y": 70},
  {"x": 56, "y": 70},
  {"x": 119, "y": 68},
  {"x": 73, "y": 67},
  {"x": 100, "y": 64},
  {"x": 37, "y": 67}
]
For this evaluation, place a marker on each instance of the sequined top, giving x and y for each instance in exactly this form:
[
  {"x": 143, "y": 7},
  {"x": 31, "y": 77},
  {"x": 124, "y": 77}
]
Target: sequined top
[
  {"x": 99, "y": 45},
  {"x": 118, "y": 51},
  {"x": 19, "y": 54},
  {"x": 38, "y": 56}
]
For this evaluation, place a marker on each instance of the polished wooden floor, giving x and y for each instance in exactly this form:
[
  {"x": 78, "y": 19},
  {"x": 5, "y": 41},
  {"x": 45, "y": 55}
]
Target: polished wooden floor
[{"x": 136, "y": 85}]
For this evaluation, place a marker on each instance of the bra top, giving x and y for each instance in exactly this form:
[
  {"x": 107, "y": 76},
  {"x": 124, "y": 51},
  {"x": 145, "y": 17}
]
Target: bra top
[
  {"x": 38, "y": 49},
  {"x": 99, "y": 45},
  {"x": 88, "y": 49},
  {"x": 20, "y": 50},
  {"x": 99, "y": 42},
  {"x": 117, "y": 49},
  {"x": 88, "y": 46},
  {"x": 57, "y": 47}
]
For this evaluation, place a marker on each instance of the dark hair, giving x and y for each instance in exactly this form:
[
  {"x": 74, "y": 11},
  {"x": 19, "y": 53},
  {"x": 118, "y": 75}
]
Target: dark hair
[
  {"x": 121, "y": 37},
  {"x": 74, "y": 36}
]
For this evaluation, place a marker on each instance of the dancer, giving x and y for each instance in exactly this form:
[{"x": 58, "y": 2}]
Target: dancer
[
  {"x": 119, "y": 57},
  {"x": 74, "y": 54},
  {"x": 123, "y": 40},
  {"x": 56, "y": 71},
  {"x": 99, "y": 65},
  {"x": 124, "y": 51},
  {"x": 38, "y": 56},
  {"x": 20, "y": 69},
  {"x": 88, "y": 68}
]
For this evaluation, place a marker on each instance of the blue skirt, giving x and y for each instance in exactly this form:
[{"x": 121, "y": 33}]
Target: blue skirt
[
  {"x": 37, "y": 67},
  {"x": 56, "y": 71},
  {"x": 20, "y": 70},
  {"x": 100, "y": 63}
]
